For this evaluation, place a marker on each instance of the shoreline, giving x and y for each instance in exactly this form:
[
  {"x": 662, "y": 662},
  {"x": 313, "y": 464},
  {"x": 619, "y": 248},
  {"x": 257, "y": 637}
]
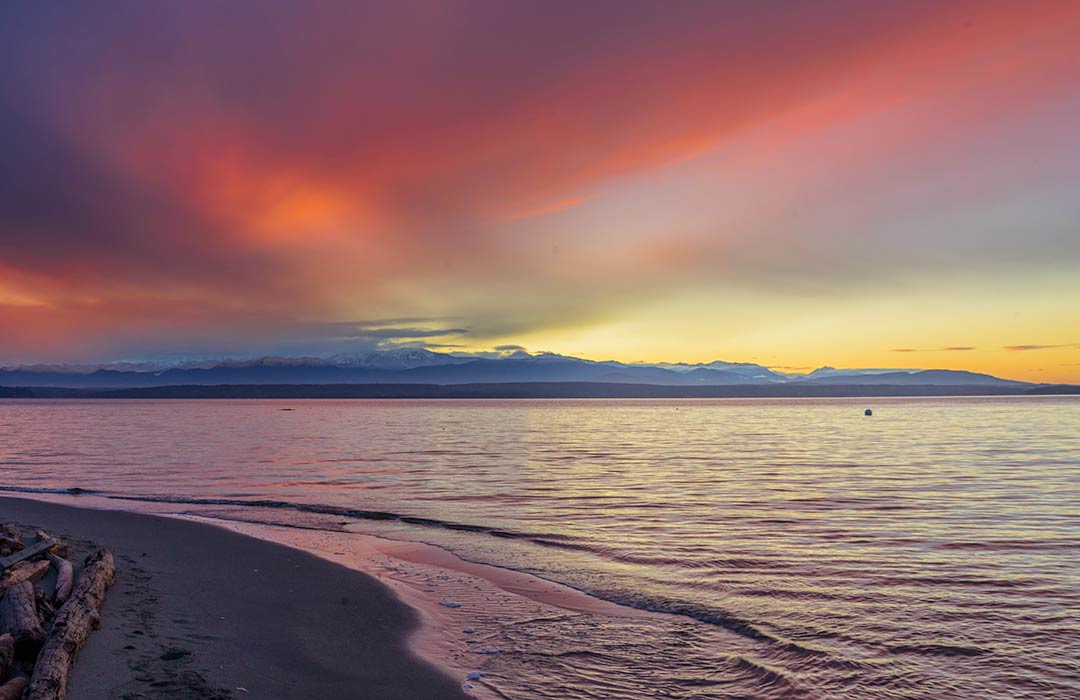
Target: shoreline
[
  {"x": 461, "y": 608},
  {"x": 450, "y": 594},
  {"x": 200, "y": 611}
]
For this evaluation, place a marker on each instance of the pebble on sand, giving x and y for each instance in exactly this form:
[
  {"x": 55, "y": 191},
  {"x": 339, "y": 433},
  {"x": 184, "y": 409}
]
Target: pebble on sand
[
  {"x": 450, "y": 604},
  {"x": 468, "y": 630}
]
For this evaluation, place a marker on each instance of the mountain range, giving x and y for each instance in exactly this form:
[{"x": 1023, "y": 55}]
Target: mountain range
[{"x": 422, "y": 366}]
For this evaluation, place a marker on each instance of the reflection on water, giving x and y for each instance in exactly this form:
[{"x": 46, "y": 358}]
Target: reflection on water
[{"x": 932, "y": 550}]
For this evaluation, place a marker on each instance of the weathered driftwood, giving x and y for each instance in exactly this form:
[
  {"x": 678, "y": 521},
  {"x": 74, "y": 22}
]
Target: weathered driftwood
[
  {"x": 23, "y": 571},
  {"x": 65, "y": 577},
  {"x": 10, "y": 539},
  {"x": 46, "y": 610},
  {"x": 13, "y": 689},
  {"x": 11, "y": 530},
  {"x": 26, "y": 553},
  {"x": 74, "y": 622},
  {"x": 7, "y": 654},
  {"x": 19, "y": 617},
  {"x": 59, "y": 546},
  {"x": 9, "y": 546}
]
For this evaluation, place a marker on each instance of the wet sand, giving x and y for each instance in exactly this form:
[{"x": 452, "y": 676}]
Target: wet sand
[
  {"x": 472, "y": 615},
  {"x": 477, "y": 623},
  {"x": 199, "y": 611}
]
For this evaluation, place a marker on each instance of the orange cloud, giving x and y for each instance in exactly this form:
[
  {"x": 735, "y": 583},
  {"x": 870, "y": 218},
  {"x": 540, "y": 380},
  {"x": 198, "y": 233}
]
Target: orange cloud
[
  {"x": 373, "y": 166},
  {"x": 278, "y": 206},
  {"x": 551, "y": 208}
]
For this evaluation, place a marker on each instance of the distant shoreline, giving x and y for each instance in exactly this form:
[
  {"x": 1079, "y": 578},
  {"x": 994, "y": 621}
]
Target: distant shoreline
[{"x": 529, "y": 390}]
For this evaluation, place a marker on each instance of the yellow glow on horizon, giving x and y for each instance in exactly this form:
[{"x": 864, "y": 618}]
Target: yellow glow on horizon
[{"x": 890, "y": 329}]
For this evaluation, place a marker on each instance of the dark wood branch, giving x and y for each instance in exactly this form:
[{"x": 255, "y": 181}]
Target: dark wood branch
[
  {"x": 10, "y": 539},
  {"x": 74, "y": 622},
  {"x": 9, "y": 546},
  {"x": 13, "y": 689},
  {"x": 23, "y": 571},
  {"x": 26, "y": 553},
  {"x": 19, "y": 617},
  {"x": 7, "y": 654},
  {"x": 11, "y": 531},
  {"x": 59, "y": 546},
  {"x": 45, "y": 608}
]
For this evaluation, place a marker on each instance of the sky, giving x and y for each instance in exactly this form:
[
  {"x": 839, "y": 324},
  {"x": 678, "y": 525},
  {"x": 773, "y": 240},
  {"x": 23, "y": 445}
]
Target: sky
[{"x": 841, "y": 182}]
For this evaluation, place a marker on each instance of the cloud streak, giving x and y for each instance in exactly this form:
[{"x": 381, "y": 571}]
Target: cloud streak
[
  {"x": 951, "y": 348},
  {"x": 1026, "y": 348}
]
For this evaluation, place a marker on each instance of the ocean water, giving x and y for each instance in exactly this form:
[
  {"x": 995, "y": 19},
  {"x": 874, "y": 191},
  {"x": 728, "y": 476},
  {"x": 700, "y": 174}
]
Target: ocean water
[{"x": 807, "y": 551}]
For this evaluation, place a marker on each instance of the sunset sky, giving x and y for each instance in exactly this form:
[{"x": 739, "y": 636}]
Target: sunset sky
[{"x": 861, "y": 184}]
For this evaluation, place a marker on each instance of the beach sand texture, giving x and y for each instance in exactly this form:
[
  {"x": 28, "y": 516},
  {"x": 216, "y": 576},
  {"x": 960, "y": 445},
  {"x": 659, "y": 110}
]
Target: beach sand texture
[{"x": 198, "y": 611}]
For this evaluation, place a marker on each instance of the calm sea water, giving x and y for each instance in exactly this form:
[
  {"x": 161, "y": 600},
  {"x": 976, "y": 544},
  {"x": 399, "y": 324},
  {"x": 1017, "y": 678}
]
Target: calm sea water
[{"x": 929, "y": 551}]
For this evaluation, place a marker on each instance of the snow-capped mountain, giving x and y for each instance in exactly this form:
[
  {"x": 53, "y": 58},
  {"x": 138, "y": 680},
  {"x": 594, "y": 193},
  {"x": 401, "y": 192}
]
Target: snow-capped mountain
[
  {"x": 413, "y": 365},
  {"x": 394, "y": 358}
]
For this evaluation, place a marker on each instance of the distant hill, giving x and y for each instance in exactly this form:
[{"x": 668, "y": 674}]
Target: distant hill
[
  {"x": 425, "y": 368},
  {"x": 421, "y": 366},
  {"x": 931, "y": 377},
  {"x": 1052, "y": 389},
  {"x": 527, "y": 390},
  {"x": 7, "y": 392},
  {"x": 745, "y": 369},
  {"x": 848, "y": 372}
]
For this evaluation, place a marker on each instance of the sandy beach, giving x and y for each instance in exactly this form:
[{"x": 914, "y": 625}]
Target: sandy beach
[{"x": 198, "y": 611}]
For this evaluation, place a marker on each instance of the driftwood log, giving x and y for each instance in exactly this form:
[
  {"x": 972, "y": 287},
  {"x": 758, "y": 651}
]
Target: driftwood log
[
  {"x": 59, "y": 546},
  {"x": 46, "y": 610},
  {"x": 65, "y": 577},
  {"x": 10, "y": 539},
  {"x": 19, "y": 617},
  {"x": 11, "y": 531},
  {"x": 7, "y": 654},
  {"x": 23, "y": 571},
  {"x": 74, "y": 622},
  {"x": 9, "y": 546},
  {"x": 13, "y": 689},
  {"x": 39, "y": 547}
]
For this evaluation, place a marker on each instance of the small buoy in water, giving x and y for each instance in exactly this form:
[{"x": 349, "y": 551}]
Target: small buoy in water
[{"x": 868, "y": 412}]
